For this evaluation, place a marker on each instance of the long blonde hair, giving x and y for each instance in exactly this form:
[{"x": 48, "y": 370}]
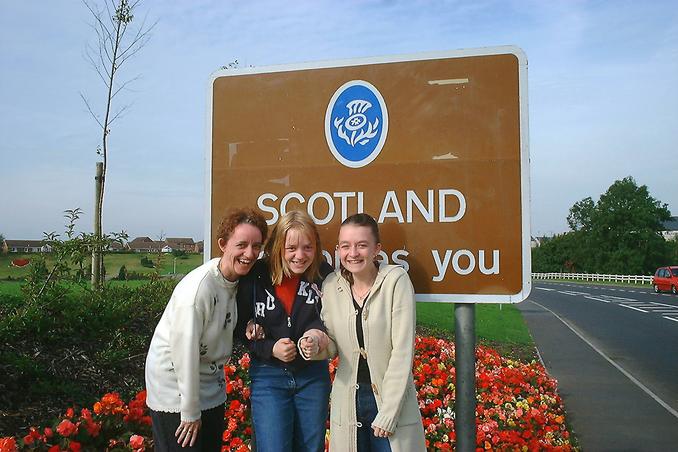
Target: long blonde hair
[{"x": 275, "y": 247}]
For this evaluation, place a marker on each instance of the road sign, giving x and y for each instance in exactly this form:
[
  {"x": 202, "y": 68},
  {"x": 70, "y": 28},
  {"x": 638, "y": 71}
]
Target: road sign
[{"x": 434, "y": 146}]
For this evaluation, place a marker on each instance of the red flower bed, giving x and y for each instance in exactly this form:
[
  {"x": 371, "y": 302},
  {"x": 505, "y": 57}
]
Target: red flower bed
[
  {"x": 20, "y": 263},
  {"x": 517, "y": 409}
]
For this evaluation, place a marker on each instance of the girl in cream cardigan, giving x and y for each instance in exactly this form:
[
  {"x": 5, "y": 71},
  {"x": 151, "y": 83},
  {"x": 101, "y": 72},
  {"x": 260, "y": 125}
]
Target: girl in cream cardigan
[{"x": 369, "y": 313}]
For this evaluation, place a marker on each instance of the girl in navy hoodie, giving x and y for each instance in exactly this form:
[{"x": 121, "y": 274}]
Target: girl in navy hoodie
[{"x": 282, "y": 295}]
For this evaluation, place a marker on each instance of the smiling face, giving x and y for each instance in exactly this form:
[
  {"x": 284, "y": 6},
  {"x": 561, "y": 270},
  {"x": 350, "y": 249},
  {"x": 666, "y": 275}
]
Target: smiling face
[
  {"x": 240, "y": 251},
  {"x": 299, "y": 251},
  {"x": 357, "y": 249}
]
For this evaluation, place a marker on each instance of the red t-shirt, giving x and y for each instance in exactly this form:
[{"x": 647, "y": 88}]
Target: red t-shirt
[{"x": 287, "y": 291}]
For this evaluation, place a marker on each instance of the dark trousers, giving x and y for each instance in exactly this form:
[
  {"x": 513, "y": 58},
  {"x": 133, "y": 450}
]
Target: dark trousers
[
  {"x": 209, "y": 437},
  {"x": 366, "y": 411}
]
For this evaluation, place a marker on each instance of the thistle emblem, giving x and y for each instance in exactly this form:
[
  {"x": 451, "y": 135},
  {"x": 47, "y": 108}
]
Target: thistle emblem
[{"x": 357, "y": 124}]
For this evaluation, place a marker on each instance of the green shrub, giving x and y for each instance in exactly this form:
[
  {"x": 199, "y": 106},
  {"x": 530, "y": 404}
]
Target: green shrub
[
  {"x": 122, "y": 273},
  {"x": 64, "y": 349}
]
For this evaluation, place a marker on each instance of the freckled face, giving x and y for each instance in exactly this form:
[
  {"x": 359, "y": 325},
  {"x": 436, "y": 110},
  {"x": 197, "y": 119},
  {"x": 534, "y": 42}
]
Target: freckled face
[
  {"x": 240, "y": 251},
  {"x": 299, "y": 251},
  {"x": 357, "y": 248}
]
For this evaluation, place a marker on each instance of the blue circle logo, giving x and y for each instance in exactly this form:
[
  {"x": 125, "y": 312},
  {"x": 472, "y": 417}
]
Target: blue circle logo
[{"x": 356, "y": 123}]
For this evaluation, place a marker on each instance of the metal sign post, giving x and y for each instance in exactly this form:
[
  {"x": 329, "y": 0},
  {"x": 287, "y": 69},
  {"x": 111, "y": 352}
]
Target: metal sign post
[{"x": 465, "y": 366}]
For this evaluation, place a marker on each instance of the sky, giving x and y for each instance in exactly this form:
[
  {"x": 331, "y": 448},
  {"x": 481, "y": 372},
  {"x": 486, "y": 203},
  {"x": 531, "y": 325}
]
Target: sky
[{"x": 602, "y": 97}]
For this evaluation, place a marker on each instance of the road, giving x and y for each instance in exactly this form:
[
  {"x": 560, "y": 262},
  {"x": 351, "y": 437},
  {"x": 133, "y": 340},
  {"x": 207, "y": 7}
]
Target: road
[{"x": 614, "y": 352}]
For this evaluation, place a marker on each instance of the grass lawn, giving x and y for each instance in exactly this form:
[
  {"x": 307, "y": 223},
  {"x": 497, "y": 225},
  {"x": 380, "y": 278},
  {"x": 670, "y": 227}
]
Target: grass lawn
[
  {"x": 112, "y": 262},
  {"x": 10, "y": 287},
  {"x": 498, "y": 325}
]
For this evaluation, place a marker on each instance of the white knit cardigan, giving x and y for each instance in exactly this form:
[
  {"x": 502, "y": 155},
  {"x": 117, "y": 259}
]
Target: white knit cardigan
[{"x": 191, "y": 344}]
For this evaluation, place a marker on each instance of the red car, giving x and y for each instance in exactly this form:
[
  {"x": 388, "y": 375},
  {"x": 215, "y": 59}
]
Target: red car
[{"x": 666, "y": 278}]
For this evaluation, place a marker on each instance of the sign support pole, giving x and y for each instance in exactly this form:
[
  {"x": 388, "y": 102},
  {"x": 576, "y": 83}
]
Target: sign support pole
[{"x": 465, "y": 366}]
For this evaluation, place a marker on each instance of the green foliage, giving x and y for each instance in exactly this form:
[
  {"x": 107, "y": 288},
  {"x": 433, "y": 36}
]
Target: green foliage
[
  {"x": 63, "y": 350},
  {"x": 619, "y": 234},
  {"x": 181, "y": 254},
  {"x": 122, "y": 273},
  {"x": 146, "y": 262},
  {"x": 51, "y": 277}
]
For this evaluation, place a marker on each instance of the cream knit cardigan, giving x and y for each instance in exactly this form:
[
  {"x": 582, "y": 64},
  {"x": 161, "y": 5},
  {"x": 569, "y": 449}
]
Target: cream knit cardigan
[
  {"x": 191, "y": 344},
  {"x": 388, "y": 320}
]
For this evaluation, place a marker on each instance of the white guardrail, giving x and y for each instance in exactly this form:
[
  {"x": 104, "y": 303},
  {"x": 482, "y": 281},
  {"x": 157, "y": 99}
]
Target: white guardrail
[{"x": 637, "y": 279}]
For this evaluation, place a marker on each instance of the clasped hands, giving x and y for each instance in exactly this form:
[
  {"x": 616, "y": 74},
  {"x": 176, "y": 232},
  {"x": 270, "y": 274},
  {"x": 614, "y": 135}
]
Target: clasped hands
[{"x": 312, "y": 343}]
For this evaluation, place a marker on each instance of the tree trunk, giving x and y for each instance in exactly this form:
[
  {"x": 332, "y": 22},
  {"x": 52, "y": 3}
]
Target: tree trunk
[{"x": 96, "y": 249}]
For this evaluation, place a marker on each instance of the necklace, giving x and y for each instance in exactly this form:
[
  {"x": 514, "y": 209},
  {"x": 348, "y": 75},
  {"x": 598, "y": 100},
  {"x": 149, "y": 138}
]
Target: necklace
[{"x": 360, "y": 296}]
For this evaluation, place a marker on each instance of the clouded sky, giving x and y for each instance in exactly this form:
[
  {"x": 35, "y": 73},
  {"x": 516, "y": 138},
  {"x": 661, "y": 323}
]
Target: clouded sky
[{"x": 603, "y": 96}]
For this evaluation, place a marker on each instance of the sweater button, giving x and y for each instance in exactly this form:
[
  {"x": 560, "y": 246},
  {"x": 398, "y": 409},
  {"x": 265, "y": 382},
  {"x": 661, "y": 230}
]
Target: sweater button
[{"x": 359, "y": 424}]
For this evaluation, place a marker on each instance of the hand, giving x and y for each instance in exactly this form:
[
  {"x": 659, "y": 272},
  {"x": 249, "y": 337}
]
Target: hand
[
  {"x": 254, "y": 331},
  {"x": 380, "y": 432},
  {"x": 309, "y": 345},
  {"x": 187, "y": 433},
  {"x": 285, "y": 350}
]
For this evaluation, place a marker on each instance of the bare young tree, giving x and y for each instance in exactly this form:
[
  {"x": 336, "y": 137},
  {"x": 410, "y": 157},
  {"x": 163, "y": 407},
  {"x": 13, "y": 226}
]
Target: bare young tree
[{"x": 117, "y": 40}]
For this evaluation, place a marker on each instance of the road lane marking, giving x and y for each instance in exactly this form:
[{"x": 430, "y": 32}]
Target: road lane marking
[
  {"x": 572, "y": 293},
  {"x": 598, "y": 299},
  {"x": 670, "y": 318},
  {"x": 619, "y": 298},
  {"x": 667, "y": 305},
  {"x": 631, "y": 307},
  {"x": 544, "y": 288},
  {"x": 628, "y": 375}
]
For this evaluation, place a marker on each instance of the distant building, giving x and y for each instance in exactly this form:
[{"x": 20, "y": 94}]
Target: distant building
[
  {"x": 146, "y": 245},
  {"x": 27, "y": 246},
  {"x": 199, "y": 246},
  {"x": 181, "y": 244},
  {"x": 670, "y": 231}
]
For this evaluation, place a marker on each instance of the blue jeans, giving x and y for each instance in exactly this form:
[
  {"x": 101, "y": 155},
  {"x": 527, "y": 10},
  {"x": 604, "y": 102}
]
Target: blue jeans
[
  {"x": 366, "y": 411},
  {"x": 289, "y": 409}
]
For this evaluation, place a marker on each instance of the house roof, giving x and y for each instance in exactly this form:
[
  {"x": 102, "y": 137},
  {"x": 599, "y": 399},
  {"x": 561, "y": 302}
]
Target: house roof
[
  {"x": 180, "y": 241},
  {"x": 24, "y": 243},
  {"x": 671, "y": 224},
  {"x": 138, "y": 240}
]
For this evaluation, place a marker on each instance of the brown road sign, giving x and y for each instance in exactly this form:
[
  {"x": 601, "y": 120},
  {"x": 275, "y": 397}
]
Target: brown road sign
[{"x": 434, "y": 146}]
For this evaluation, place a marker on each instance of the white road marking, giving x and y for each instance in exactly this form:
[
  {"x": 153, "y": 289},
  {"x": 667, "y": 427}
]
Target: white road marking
[
  {"x": 670, "y": 318},
  {"x": 619, "y": 298},
  {"x": 572, "y": 293},
  {"x": 598, "y": 299},
  {"x": 631, "y": 307},
  {"x": 544, "y": 288},
  {"x": 628, "y": 375},
  {"x": 667, "y": 305}
]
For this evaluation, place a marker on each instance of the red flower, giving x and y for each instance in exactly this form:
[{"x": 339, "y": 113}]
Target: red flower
[
  {"x": 66, "y": 428},
  {"x": 8, "y": 444},
  {"x": 136, "y": 441},
  {"x": 75, "y": 446}
]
